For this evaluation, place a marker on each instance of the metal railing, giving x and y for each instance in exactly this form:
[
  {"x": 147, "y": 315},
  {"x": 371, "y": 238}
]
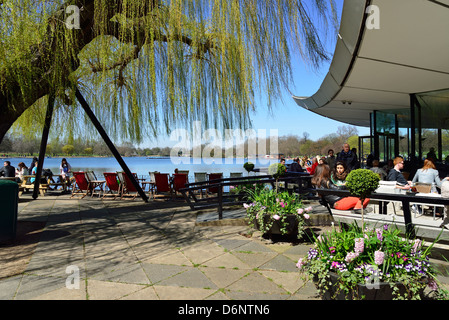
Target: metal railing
[{"x": 299, "y": 183}]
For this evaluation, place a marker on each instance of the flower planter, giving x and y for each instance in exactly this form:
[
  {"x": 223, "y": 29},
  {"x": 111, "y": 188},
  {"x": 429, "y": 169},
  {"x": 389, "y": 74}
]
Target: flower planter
[
  {"x": 291, "y": 225},
  {"x": 370, "y": 291}
]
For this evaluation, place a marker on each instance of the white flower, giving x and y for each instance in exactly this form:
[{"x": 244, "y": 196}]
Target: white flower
[
  {"x": 276, "y": 217},
  {"x": 306, "y": 216}
]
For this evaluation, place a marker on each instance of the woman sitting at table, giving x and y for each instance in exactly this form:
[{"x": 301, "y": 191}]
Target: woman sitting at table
[
  {"x": 428, "y": 174},
  {"x": 65, "y": 170},
  {"x": 339, "y": 173},
  {"x": 322, "y": 180},
  {"x": 21, "y": 170}
]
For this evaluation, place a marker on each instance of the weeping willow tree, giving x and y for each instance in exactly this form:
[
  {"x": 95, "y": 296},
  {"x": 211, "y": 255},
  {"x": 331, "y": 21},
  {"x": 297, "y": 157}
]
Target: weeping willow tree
[{"x": 146, "y": 66}]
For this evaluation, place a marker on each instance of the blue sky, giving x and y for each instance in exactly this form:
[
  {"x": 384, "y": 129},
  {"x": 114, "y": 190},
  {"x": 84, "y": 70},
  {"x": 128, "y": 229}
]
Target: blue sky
[{"x": 286, "y": 116}]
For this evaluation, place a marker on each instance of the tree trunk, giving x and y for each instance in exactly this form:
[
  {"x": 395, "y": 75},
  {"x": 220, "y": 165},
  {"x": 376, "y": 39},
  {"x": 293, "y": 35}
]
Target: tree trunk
[{"x": 13, "y": 100}]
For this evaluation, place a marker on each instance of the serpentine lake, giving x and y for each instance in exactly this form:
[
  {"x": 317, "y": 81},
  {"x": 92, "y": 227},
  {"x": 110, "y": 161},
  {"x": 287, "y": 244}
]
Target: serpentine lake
[{"x": 142, "y": 165}]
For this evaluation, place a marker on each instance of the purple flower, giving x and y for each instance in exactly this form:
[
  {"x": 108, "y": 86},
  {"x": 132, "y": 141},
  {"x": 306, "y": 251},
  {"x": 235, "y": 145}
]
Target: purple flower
[
  {"x": 312, "y": 254},
  {"x": 379, "y": 257},
  {"x": 379, "y": 234}
]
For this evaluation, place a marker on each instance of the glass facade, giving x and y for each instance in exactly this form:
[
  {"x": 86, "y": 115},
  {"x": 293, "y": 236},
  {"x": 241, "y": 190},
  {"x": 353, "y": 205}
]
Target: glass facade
[{"x": 413, "y": 132}]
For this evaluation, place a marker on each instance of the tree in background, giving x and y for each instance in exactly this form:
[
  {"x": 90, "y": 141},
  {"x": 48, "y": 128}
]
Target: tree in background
[{"x": 149, "y": 65}]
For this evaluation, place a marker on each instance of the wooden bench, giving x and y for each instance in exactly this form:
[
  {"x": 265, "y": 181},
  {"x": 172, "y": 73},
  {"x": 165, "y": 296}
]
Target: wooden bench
[{"x": 28, "y": 185}]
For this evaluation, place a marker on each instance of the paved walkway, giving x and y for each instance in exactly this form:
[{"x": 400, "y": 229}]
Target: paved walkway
[{"x": 134, "y": 250}]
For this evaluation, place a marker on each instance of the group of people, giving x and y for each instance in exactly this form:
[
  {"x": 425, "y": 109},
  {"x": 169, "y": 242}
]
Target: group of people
[
  {"x": 334, "y": 176},
  {"x": 331, "y": 173},
  {"x": 22, "y": 170}
]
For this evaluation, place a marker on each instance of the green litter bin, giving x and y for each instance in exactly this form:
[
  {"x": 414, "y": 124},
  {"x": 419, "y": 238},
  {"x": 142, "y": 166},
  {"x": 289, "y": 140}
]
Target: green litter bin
[{"x": 9, "y": 197}]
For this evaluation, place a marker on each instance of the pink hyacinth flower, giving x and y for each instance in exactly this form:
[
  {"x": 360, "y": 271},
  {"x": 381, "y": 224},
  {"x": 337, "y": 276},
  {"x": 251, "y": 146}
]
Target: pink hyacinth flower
[
  {"x": 300, "y": 211},
  {"x": 379, "y": 257},
  {"x": 351, "y": 256},
  {"x": 308, "y": 209},
  {"x": 306, "y": 216},
  {"x": 300, "y": 264},
  {"x": 359, "y": 245},
  {"x": 276, "y": 217}
]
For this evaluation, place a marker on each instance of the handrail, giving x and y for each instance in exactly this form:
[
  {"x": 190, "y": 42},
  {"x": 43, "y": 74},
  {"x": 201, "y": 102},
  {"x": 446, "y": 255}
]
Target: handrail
[
  {"x": 188, "y": 191},
  {"x": 404, "y": 198}
]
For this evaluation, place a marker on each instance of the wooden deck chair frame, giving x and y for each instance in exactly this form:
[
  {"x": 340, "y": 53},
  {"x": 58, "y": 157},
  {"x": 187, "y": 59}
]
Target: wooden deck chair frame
[
  {"x": 201, "y": 177},
  {"x": 81, "y": 185},
  {"x": 112, "y": 185},
  {"x": 94, "y": 183},
  {"x": 162, "y": 184},
  {"x": 179, "y": 182},
  {"x": 127, "y": 187},
  {"x": 214, "y": 176}
]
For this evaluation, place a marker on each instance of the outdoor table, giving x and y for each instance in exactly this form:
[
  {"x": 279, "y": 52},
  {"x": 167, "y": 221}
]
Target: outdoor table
[{"x": 405, "y": 199}]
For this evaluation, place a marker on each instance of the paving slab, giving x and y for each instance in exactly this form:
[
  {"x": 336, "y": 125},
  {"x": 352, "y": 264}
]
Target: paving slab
[{"x": 130, "y": 250}]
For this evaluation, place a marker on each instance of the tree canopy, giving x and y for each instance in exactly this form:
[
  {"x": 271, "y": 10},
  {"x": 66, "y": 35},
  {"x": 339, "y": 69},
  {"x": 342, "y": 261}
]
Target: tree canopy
[{"x": 148, "y": 65}]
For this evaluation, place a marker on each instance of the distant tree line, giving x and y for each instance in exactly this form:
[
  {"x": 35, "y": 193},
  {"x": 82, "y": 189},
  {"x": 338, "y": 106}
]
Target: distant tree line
[{"x": 290, "y": 146}]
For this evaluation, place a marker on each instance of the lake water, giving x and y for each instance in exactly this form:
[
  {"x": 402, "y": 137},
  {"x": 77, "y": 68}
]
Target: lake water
[{"x": 142, "y": 165}]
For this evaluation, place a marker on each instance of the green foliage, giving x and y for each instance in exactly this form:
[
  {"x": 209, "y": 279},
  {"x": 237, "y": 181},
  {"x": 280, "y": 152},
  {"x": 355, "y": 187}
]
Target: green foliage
[
  {"x": 375, "y": 255},
  {"x": 142, "y": 66},
  {"x": 361, "y": 182},
  {"x": 277, "y": 170},
  {"x": 267, "y": 206},
  {"x": 68, "y": 149},
  {"x": 248, "y": 166}
]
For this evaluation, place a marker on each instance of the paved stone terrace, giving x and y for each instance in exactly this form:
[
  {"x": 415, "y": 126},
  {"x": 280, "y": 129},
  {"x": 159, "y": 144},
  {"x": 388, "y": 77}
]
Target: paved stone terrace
[
  {"x": 133, "y": 250},
  {"x": 154, "y": 251}
]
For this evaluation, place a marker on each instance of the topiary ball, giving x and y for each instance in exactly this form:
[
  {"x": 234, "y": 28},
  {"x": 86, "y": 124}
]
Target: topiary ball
[{"x": 361, "y": 182}]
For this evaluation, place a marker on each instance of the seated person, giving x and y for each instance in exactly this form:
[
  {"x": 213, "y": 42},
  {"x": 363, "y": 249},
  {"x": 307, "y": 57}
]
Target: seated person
[
  {"x": 311, "y": 169},
  {"x": 428, "y": 174},
  {"x": 322, "y": 179},
  {"x": 395, "y": 174},
  {"x": 339, "y": 173},
  {"x": 375, "y": 168},
  {"x": 21, "y": 170},
  {"x": 295, "y": 166},
  {"x": 7, "y": 170}
]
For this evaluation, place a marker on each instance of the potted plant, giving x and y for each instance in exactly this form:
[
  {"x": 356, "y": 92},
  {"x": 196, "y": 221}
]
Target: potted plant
[
  {"x": 361, "y": 182},
  {"x": 244, "y": 191},
  {"x": 277, "y": 213},
  {"x": 277, "y": 170},
  {"x": 356, "y": 263}
]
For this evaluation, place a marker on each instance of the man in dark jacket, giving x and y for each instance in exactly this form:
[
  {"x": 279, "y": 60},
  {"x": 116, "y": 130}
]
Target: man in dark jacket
[
  {"x": 347, "y": 156},
  {"x": 295, "y": 166},
  {"x": 7, "y": 170}
]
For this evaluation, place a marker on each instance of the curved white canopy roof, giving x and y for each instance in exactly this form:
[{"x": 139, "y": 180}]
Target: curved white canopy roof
[{"x": 378, "y": 69}]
